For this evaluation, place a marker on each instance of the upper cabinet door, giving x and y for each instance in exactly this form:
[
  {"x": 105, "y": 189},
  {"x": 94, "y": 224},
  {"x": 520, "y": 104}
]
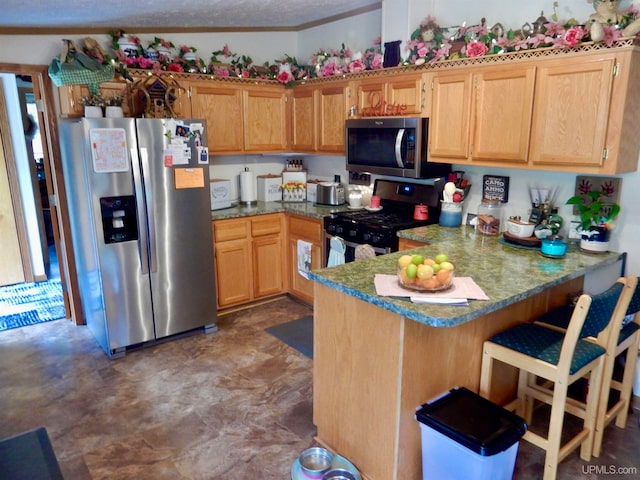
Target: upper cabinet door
[
  {"x": 408, "y": 92},
  {"x": 502, "y": 107},
  {"x": 265, "y": 119},
  {"x": 571, "y": 112},
  {"x": 221, "y": 107},
  {"x": 333, "y": 106},
  {"x": 450, "y": 112},
  {"x": 303, "y": 121}
]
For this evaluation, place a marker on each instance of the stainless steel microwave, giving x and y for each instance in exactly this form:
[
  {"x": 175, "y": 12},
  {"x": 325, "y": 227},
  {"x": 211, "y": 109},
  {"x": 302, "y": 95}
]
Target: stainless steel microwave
[{"x": 395, "y": 146}]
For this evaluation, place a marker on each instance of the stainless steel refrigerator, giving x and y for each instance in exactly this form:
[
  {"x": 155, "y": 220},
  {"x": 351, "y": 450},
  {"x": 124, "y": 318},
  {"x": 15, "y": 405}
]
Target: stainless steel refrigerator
[{"x": 140, "y": 215}]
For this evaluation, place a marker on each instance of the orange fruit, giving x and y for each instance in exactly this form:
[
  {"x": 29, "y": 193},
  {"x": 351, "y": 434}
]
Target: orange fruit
[{"x": 444, "y": 276}]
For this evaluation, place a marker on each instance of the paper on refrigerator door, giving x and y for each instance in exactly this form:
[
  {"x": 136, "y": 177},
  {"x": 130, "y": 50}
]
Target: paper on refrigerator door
[{"x": 304, "y": 258}]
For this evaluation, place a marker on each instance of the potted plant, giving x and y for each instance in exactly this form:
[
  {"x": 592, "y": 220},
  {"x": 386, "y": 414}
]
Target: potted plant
[
  {"x": 93, "y": 105},
  {"x": 113, "y": 107},
  {"x": 596, "y": 218}
]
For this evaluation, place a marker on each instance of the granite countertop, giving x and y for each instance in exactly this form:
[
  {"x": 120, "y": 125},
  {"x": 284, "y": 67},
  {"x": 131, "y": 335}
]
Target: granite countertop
[
  {"x": 506, "y": 273},
  {"x": 308, "y": 209}
]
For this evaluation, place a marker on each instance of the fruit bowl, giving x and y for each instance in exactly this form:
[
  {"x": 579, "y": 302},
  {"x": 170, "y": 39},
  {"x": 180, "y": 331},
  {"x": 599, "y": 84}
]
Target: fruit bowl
[{"x": 438, "y": 281}]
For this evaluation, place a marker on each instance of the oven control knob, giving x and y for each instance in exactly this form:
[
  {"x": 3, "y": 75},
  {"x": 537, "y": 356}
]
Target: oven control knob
[
  {"x": 366, "y": 237},
  {"x": 353, "y": 233},
  {"x": 339, "y": 229}
]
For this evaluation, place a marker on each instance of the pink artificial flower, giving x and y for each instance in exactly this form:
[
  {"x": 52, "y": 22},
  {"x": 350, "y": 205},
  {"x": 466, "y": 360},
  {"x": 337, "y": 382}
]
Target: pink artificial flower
[
  {"x": 441, "y": 53},
  {"x": 330, "y": 69},
  {"x": 611, "y": 35},
  {"x": 574, "y": 35},
  {"x": 476, "y": 49},
  {"x": 144, "y": 62},
  {"x": 225, "y": 51},
  {"x": 285, "y": 77},
  {"x": 554, "y": 29},
  {"x": 157, "y": 68},
  {"x": 356, "y": 66},
  {"x": 422, "y": 51},
  {"x": 245, "y": 74},
  {"x": 523, "y": 44},
  {"x": 175, "y": 67},
  {"x": 347, "y": 53},
  {"x": 221, "y": 72},
  {"x": 535, "y": 40},
  {"x": 377, "y": 61},
  {"x": 133, "y": 39}
]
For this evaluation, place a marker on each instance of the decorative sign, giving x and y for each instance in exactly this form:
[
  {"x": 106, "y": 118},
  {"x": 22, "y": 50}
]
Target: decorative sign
[
  {"x": 380, "y": 108},
  {"x": 495, "y": 187}
]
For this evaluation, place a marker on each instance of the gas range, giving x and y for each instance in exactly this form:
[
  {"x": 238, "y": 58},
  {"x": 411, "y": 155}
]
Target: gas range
[{"x": 378, "y": 229}]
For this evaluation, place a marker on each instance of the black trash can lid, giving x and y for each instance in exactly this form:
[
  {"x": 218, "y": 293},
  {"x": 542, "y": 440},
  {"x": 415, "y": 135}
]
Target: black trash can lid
[{"x": 473, "y": 421}]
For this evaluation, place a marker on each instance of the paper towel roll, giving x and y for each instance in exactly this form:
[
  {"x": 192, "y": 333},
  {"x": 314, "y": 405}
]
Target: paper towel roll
[{"x": 247, "y": 187}]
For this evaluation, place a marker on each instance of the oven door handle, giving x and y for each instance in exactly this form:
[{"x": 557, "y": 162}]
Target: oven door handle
[{"x": 399, "y": 137}]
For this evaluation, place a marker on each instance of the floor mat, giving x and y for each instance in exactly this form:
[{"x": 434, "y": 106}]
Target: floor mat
[
  {"x": 30, "y": 303},
  {"x": 296, "y": 333}
]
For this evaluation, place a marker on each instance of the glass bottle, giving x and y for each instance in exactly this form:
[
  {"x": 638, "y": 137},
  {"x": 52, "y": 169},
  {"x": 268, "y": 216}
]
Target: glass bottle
[
  {"x": 554, "y": 220},
  {"x": 489, "y": 217}
]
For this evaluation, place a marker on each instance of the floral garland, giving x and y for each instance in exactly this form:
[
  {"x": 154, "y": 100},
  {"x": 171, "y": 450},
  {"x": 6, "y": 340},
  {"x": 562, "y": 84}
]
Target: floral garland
[
  {"x": 428, "y": 44},
  {"x": 431, "y": 43}
]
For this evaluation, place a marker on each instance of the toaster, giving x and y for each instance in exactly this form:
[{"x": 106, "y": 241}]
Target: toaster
[{"x": 328, "y": 193}]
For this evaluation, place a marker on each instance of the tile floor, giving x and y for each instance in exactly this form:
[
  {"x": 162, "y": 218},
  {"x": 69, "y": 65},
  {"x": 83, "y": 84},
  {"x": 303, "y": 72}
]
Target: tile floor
[{"x": 235, "y": 404}]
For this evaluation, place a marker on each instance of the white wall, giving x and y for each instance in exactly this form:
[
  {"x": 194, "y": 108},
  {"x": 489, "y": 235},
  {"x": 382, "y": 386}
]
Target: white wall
[
  {"x": 40, "y": 49},
  {"x": 357, "y": 33}
]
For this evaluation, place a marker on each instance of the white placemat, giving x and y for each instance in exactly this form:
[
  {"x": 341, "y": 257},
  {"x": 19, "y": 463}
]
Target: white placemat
[{"x": 463, "y": 289}]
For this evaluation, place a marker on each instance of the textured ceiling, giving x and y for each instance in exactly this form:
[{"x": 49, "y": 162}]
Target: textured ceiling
[{"x": 163, "y": 15}]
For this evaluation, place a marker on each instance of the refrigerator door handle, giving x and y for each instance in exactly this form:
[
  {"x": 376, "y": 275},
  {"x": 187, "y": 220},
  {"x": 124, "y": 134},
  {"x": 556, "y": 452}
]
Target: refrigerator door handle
[
  {"x": 153, "y": 256},
  {"x": 140, "y": 207}
]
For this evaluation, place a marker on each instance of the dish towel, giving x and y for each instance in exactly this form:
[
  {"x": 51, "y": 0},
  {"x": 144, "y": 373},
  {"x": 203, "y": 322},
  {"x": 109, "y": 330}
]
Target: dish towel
[
  {"x": 304, "y": 258},
  {"x": 336, "y": 253}
]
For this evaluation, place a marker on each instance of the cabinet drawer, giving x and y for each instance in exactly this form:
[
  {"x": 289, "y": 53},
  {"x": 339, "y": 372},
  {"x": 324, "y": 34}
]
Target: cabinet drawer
[
  {"x": 266, "y": 225},
  {"x": 306, "y": 228},
  {"x": 224, "y": 230}
]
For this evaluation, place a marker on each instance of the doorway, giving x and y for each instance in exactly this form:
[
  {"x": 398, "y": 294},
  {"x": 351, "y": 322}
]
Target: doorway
[{"x": 48, "y": 189}]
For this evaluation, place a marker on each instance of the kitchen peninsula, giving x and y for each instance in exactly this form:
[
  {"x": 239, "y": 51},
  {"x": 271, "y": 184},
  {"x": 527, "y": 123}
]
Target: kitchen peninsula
[{"x": 376, "y": 359}]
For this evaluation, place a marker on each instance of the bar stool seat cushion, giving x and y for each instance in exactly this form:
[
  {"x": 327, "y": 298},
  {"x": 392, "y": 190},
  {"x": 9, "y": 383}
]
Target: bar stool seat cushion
[{"x": 545, "y": 344}]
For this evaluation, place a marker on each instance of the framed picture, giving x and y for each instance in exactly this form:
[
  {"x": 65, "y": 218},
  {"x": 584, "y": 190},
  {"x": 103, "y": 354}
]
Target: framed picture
[{"x": 609, "y": 185}]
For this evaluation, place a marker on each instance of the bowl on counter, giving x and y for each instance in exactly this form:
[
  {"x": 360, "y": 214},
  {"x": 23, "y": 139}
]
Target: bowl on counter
[
  {"x": 441, "y": 280},
  {"x": 520, "y": 228}
]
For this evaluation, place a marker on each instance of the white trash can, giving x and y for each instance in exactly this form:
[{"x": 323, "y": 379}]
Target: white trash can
[{"x": 466, "y": 436}]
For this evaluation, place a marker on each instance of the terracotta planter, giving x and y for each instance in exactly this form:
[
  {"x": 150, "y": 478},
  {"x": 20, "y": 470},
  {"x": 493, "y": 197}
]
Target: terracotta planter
[{"x": 595, "y": 240}]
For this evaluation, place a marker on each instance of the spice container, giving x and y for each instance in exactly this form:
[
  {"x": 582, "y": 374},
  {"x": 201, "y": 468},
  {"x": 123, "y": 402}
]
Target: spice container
[{"x": 489, "y": 217}]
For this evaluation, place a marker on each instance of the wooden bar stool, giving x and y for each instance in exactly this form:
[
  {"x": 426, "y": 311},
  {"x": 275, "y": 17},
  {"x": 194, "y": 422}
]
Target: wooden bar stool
[
  {"x": 560, "y": 359},
  {"x": 626, "y": 340}
]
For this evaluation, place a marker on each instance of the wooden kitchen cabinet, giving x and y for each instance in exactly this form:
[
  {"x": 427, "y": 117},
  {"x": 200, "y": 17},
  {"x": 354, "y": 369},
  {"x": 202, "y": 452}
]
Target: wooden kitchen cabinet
[
  {"x": 241, "y": 118},
  {"x": 391, "y": 95},
  {"x": 267, "y": 237},
  {"x": 265, "y": 119},
  {"x": 483, "y": 115},
  {"x": 221, "y": 106},
  {"x": 333, "y": 105},
  {"x": 249, "y": 258},
  {"x": 71, "y": 95},
  {"x": 573, "y": 100},
  {"x": 310, "y": 230},
  {"x": 570, "y": 113},
  {"x": 303, "y": 119}
]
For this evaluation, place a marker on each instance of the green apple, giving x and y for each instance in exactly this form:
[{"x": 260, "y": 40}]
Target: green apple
[
  {"x": 412, "y": 271},
  {"x": 442, "y": 257},
  {"x": 417, "y": 259}
]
